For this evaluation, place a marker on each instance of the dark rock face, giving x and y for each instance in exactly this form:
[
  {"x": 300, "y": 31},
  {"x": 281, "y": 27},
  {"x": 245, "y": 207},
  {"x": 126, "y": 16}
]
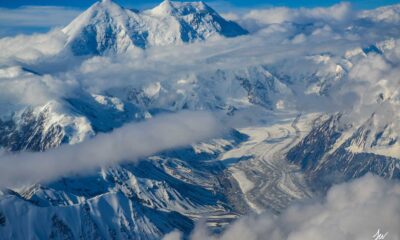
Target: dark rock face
[
  {"x": 29, "y": 133},
  {"x": 324, "y": 167},
  {"x": 2, "y": 219},
  {"x": 314, "y": 146},
  {"x": 60, "y": 230}
]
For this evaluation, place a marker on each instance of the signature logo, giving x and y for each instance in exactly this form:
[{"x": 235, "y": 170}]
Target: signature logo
[{"x": 379, "y": 236}]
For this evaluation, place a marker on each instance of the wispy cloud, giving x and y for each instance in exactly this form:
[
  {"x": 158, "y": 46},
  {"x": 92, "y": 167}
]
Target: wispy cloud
[{"x": 128, "y": 143}]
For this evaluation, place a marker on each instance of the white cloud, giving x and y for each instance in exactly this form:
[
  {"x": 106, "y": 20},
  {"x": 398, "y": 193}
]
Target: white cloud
[
  {"x": 173, "y": 235},
  {"x": 128, "y": 143},
  {"x": 389, "y": 14},
  {"x": 257, "y": 19},
  {"x": 350, "y": 211},
  {"x": 27, "y": 48},
  {"x": 20, "y": 89},
  {"x": 374, "y": 80}
]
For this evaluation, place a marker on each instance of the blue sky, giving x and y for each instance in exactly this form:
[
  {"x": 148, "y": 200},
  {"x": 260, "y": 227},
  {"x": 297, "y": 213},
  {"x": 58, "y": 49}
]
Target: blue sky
[{"x": 29, "y": 16}]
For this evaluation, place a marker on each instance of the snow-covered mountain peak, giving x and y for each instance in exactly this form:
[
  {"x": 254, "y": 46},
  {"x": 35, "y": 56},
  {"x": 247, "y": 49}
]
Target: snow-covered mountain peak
[
  {"x": 98, "y": 12},
  {"x": 165, "y": 8},
  {"x": 107, "y": 27},
  {"x": 101, "y": 28},
  {"x": 168, "y": 7},
  {"x": 197, "y": 21}
]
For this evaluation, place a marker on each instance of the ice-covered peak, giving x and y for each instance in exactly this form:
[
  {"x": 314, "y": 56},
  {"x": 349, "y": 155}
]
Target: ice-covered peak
[
  {"x": 102, "y": 28},
  {"x": 102, "y": 11},
  {"x": 196, "y": 20},
  {"x": 107, "y": 27},
  {"x": 167, "y": 8},
  {"x": 109, "y": 6}
]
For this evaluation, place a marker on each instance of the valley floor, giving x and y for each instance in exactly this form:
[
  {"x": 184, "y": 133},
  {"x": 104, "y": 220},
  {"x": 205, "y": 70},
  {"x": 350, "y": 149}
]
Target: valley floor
[{"x": 259, "y": 166}]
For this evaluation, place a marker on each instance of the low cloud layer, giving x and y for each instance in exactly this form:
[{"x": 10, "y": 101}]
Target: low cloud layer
[
  {"x": 350, "y": 211},
  {"x": 257, "y": 19},
  {"x": 128, "y": 143}
]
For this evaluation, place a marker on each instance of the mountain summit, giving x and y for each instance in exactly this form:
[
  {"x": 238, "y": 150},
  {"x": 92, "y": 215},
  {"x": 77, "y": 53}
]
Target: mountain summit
[{"x": 107, "y": 27}]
